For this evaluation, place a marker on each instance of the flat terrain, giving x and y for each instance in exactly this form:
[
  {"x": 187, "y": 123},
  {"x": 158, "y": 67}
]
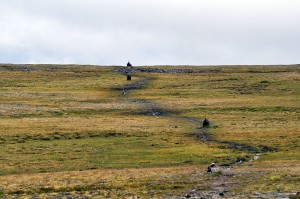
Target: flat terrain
[{"x": 85, "y": 131}]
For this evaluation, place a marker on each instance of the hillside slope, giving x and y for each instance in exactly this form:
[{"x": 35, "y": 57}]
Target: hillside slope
[{"x": 85, "y": 131}]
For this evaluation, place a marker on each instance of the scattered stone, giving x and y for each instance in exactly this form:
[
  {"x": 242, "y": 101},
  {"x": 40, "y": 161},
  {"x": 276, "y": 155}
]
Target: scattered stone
[
  {"x": 266, "y": 149},
  {"x": 171, "y": 71},
  {"x": 213, "y": 168},
  {"x": 295, "y": 196},
  {"x": 256, "y": 157},
  {"x": 239, "y": 160}
]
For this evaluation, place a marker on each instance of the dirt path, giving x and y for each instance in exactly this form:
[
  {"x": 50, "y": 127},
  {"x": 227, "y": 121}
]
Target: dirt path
[
  {"x": 155, "y": 109},
  {"x": 222, "y": 183}
]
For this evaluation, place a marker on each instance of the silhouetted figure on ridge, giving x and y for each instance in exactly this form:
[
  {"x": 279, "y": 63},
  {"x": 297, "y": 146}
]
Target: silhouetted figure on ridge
[
  {"x": 128, "y": 71},
  {"x": 129, "y": 64}
]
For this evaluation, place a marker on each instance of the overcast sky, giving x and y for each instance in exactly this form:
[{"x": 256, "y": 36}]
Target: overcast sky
[{"x": 150, "y": 32}]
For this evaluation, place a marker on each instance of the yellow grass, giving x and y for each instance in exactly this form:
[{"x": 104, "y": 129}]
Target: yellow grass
[{"x": 67, "y": 129}]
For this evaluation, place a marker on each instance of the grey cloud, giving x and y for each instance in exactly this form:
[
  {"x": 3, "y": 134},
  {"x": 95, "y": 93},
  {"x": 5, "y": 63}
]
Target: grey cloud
[{"x": 148, "y": 32}]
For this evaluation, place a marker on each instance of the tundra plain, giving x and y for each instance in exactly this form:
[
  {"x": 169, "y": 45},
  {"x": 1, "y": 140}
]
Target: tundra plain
[{"x": 86, "y": 132}]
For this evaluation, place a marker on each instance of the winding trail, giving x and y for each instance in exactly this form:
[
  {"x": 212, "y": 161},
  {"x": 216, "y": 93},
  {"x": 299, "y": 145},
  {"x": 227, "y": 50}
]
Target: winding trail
[
  {"x": 223, "y": 182},
  {"x": 154, "y": 109}
]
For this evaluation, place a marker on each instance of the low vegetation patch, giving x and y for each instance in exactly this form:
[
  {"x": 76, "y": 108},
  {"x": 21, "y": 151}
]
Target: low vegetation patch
[{"x": 87, "y": 131}]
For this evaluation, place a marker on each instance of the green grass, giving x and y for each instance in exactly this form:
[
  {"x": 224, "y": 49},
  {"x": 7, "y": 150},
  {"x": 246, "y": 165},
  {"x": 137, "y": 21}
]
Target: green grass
[
  {"x": 258, "y": 108},
  {"x": 71, "y": 118},
  {"x": 48, "y": 154}
]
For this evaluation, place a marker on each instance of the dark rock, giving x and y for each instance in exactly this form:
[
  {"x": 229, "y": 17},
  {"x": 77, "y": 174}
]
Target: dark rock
[
  {"x": 240, "y": 160},
  {"x": 266, "y": 149},
  {"x": 209, "y": 169},
  {"x": 294, "y": 196},
  {"x": 128, "y": 77},
  {"x": 206, "y": 123}
]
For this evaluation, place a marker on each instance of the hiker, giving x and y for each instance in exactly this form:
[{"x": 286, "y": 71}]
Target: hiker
[
  {"x": 129, "y": 64},
  {"x": 210, "y": 167}
]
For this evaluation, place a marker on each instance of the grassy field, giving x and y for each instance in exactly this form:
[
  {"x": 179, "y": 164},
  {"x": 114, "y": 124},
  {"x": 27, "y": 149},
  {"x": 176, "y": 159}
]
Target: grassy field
[{"x": 71, "y": 129}]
